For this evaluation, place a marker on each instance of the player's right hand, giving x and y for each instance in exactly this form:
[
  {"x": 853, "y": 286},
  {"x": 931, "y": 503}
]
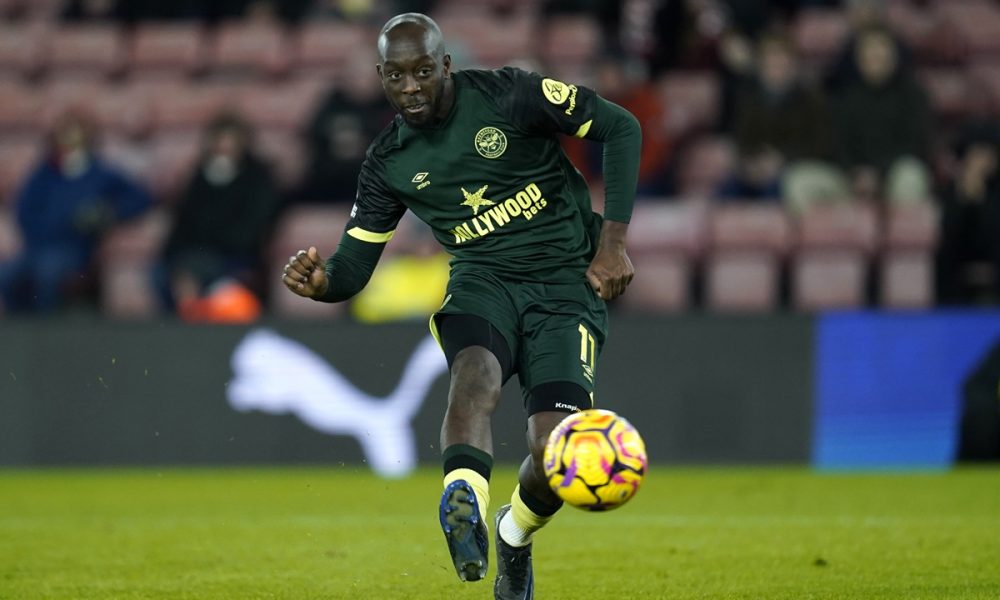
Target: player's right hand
[{"x": 305, "y": 274}]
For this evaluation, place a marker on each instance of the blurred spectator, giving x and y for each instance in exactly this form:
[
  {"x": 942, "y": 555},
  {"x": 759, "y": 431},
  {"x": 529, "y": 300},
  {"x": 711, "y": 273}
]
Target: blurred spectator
[
  {"x": 625, "y": 84},
  {"x": 882, "y": 124},
  {"x": 671, "y": 29},
  {"x": 969, "y": 248},
  {"x": 351, "y": 115},
  {"x": 222, "y": 223},
  {"x": 65, "y": 206},
  {"x": 736, "y": 71},
  {"x": 782, "y": 133},
  {"x": 862, "y": 15}
]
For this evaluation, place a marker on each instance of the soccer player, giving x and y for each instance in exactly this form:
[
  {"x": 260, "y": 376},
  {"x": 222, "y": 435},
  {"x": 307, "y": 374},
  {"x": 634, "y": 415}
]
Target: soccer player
[{"x": 475, "y": 155}]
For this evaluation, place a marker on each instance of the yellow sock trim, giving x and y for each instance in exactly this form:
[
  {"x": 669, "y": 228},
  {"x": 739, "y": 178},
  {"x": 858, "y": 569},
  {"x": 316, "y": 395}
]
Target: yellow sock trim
[
  {"x": 479, "y": 485},
  {"x": 523, "y": 516}
]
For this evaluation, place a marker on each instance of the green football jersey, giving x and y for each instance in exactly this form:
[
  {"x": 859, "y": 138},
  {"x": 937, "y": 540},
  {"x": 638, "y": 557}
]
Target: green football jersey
[{"x": 491, "y": 181}]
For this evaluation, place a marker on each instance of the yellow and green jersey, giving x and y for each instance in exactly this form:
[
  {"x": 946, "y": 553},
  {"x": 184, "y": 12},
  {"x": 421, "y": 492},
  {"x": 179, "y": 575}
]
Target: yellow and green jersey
[{"x": 491, "y": 180}]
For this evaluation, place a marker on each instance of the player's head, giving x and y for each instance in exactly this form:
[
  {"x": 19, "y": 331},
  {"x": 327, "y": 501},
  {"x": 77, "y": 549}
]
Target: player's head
[{"x": 414, "y": 68}]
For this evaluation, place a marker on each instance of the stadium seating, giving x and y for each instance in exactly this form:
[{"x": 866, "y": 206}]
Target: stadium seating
[
  {"x": 747, "y": 247},
  {"x": 705, "y": 163},
  {"x": 490, "y": 41},
  {"x": 831, "y": 266},
  {"x": 126, "y": 259},
  {"x": 19, "y": 113},
  {"x": 301, "y": 227},
  {"x": 692, "y": 101},
  {"x": 173, "y": 157},
  {"x": 832, "y": 279},
  {"x": 819, "y": 34},
  {"x": 665, "y": 242},
  {"x": 248, "y": 50},
  {"x": 167, "y": 50},
  {"x": 572, "y": 41},
  {"x": 288, "y": 106},
  {"x": 324, "y": 48},
  {"x": 285, "y": 151},
  {"x": 87, "y": 51},
  {"x": 21, "y": 51},
  {"x": 153, "y": 86},
  {"x": 907, "y": 261}
]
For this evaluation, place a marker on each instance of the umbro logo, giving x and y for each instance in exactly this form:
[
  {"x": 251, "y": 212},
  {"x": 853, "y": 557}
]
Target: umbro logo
[{"x": 421, "y": 180}]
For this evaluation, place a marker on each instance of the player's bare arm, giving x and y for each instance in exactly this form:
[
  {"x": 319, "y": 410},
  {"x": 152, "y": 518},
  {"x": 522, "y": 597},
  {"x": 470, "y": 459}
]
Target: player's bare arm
[{"x": 611, "y": 271}]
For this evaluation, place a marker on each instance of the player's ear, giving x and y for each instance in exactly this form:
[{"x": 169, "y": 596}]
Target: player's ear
[
  {"x": 446, "y": 63},
  {"x": 378, "y": 69}
]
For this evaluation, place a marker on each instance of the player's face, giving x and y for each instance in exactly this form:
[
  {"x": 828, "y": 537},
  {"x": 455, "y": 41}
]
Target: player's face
[{"x": 414, "y": 81}]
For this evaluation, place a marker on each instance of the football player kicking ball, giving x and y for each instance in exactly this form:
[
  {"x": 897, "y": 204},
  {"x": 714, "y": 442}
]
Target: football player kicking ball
[{"x": 475, "y": 155}]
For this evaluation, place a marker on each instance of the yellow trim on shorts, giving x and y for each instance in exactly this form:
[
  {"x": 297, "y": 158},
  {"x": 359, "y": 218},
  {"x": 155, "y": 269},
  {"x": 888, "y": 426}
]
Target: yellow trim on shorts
[
  {"x": 370, "y": 236},
  {"x": 582, "y": 131}
]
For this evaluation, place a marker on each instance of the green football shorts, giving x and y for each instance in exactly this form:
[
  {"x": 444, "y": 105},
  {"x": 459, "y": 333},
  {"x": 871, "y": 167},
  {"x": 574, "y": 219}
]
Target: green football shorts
[{"x": 555, "y": 331}]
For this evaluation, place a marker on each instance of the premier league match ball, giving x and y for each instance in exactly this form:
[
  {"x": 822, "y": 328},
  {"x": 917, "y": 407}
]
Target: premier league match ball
[{"x": 595, "y": 460}]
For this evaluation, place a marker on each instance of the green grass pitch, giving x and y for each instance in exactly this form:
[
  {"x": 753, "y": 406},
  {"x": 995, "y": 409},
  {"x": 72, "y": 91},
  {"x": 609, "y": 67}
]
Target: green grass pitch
[{"x": 342, "y": 533}]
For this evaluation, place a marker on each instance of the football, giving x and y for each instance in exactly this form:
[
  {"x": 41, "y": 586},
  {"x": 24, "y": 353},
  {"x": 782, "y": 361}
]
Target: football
[{"x": 595, "y": 460}]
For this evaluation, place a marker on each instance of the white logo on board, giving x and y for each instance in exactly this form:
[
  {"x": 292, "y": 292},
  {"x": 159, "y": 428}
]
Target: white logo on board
[{"x": 277, "y": 375}]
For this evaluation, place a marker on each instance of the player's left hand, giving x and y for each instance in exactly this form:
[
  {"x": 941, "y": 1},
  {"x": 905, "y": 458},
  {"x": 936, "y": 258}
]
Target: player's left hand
[{"x": 610, "y": 271}]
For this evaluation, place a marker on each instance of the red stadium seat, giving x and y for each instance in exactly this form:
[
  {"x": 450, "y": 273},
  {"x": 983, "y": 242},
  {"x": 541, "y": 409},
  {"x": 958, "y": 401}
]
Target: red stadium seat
[
  {"x": 174, "y": 155},
  {"x": 830, "y": 268},
  {"x": 743, "y": 268},
  {"x": 284, "y": 150},
  {"x": 662, "y": 283},
  {"x": 248, "y": 50},
  {"x": 190, "y": 107},
  {"x": 976, "y": 23},
  {"x": 126, "y": 109},
  {"x": 907, "y": 280},
  {"x": 668, "y": 225},
  {"x": 126, "y": 258},
  {"x": 570, "y": 40},
  {"x": 742, "y": 280},
  {"x": 750, "y": 226},
  {"x": 839, "y": 226},
  {"x": 86, "y": 50},
  {"x": 61, "y": 95},
  {"x": 325, "y": 48},
  {"x": 665, "y": 240},
  {"x": 704, "y": 165},
  {"x": 692, "y": 101},
  {"x": 166, "y": 50},
  {"x": 911, "y": 227},
  {"x": 829, "y": 279},
  {"x": 21, "y": 50},
  {"x": 288, "y": 106},
  {"x": 819, "y": 34},
  {"x": 949, "y": 90},
  {"x": 907, "y": 271},
  {"x": 19, "y": 110},
  {"x": 924, "y": 32},
  {"x": 491, "y": 41},
  {"x": 18, "y": 156},
  {"x": 301, "y": 227}
]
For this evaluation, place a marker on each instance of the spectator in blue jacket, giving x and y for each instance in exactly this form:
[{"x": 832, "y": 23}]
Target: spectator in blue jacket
[{"x": 70, "y": 199}]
